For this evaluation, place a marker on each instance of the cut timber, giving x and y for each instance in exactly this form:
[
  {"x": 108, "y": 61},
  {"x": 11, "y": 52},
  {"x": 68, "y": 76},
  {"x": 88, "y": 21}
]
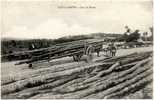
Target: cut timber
[
  {"x": 134, "y": 59},
  {"x": 48, "y": 57},
  {"x": 101, "y": 87},
  {"x": 27, "y": 92},
  {"x": 61, "y": 88},
  {"x": 114, "y": 67},
  {"x": 125, "y": 67},
  {"x": 130, "y": 89},
  {"x": 62, "y": 50},
  {"x": 105, "y": 83},
  {"x": 21, "y": 84},
  {"x": 118, "y": 57},
  {"x": 102, "y": 73},
  {"x": 126, "y": 84},
  {"x": 112, "y": 86},
  {"x": 42, "y": 71}
]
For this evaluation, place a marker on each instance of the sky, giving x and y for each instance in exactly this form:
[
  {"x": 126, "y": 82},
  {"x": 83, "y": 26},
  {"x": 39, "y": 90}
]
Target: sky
[{"x": 54, "y": 19}]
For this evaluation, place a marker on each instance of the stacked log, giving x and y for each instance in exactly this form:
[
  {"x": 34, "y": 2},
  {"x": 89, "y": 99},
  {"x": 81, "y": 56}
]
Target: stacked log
[
  {"x": 111, "y": 78},
  {"x": 59, "y": 51}
]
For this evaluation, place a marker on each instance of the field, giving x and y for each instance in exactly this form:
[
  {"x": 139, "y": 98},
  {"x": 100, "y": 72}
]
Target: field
[{"x": 64, "y": 78}]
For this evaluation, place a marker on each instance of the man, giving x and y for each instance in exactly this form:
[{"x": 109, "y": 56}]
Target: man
[
  {"x": 31, "y": 46},
  {"x": 105, "y": 48},
  {"x": 113, "y": 50},
  {"x": 98, "y": 49}
]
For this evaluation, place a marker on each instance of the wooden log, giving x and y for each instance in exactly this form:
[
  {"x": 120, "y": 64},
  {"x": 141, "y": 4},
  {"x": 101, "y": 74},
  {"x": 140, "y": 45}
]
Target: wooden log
[
  {"x": 38, "y": 72},
  {"x": 102, "y": 73},
  {"x": 125, "y": 84},
  {"x": 136, "y": 58},
  {"x": 125, "y": 66},
  {"x": 75, "y": 81},
  {"x": 126, "y": 91},
  {"x": 113, "y": 86},
  {"x": 124, "y": 74},
  {"x": 117, "y": 58},
  {"x": 79, "y": 86},
  {"x": 102, "y": 86},
  {"x": 48, "y": 58},
  {"x": 130, "y": 89},
  {"x": 62, "y": 50},
  {"x": 51, "y": 52},
  {"x": 112, "y": 68},
  {"x": 49, "y": 70},
  {"x": 130, "y": 71},
  {"x": 83, "y": 94},
  {"x": 28, "y": 92},
  {"x": 43, "y": 78},
  {"x": 72, "y": 89},
  {"x": 54, "y": 49}
]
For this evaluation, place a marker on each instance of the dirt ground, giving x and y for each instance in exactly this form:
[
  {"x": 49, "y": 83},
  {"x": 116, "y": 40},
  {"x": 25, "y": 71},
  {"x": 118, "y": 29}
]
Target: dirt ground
[{"x": 8, "y": 69}]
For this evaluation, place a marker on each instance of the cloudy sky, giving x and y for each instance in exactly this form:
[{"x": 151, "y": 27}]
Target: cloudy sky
[{"x": 46, "y": 19}]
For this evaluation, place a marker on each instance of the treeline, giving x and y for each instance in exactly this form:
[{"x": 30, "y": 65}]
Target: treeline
[
  {"x": 14, "y": 45},
  {"x": 133, "y": 37}
]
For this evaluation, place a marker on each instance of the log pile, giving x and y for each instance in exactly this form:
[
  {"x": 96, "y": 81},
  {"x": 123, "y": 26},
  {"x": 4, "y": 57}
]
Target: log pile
[
  {"x": 110, "y": 78},
  {"x": 60, "y": 50}
]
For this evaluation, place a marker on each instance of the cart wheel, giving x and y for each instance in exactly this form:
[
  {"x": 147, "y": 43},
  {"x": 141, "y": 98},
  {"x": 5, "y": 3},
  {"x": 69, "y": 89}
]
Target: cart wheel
[
  {"x": 98, "y": 53},
  {"x": 77, "y": 57},
  {"x": 30, "y": 65},
  {"x": 48, "y": 58},
  {"x": 89, "y": 53}
]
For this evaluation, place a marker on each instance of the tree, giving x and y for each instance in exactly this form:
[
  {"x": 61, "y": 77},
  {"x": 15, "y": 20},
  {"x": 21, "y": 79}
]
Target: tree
[
  {"x": 132, "y": 36},
  {"x": 151, "y": 29},
  {"x": 13, "y": 43},
  {"x": 128, "y": 30}
]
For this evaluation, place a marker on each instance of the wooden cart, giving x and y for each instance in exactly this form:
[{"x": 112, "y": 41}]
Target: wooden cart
[{"x": 74, "y": 49}]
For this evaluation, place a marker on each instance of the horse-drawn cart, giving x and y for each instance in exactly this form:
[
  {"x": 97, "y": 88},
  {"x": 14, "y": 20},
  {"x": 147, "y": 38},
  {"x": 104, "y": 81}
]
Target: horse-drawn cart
[{"x": 73, "y": 49}]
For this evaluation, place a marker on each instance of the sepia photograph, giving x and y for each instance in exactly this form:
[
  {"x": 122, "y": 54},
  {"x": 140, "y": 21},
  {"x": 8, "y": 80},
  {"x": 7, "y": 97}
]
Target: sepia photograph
[{"x": 72, "y": 49}]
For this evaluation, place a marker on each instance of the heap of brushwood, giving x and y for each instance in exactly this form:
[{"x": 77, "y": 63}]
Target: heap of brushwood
[{"x": 114, "y": 77}]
